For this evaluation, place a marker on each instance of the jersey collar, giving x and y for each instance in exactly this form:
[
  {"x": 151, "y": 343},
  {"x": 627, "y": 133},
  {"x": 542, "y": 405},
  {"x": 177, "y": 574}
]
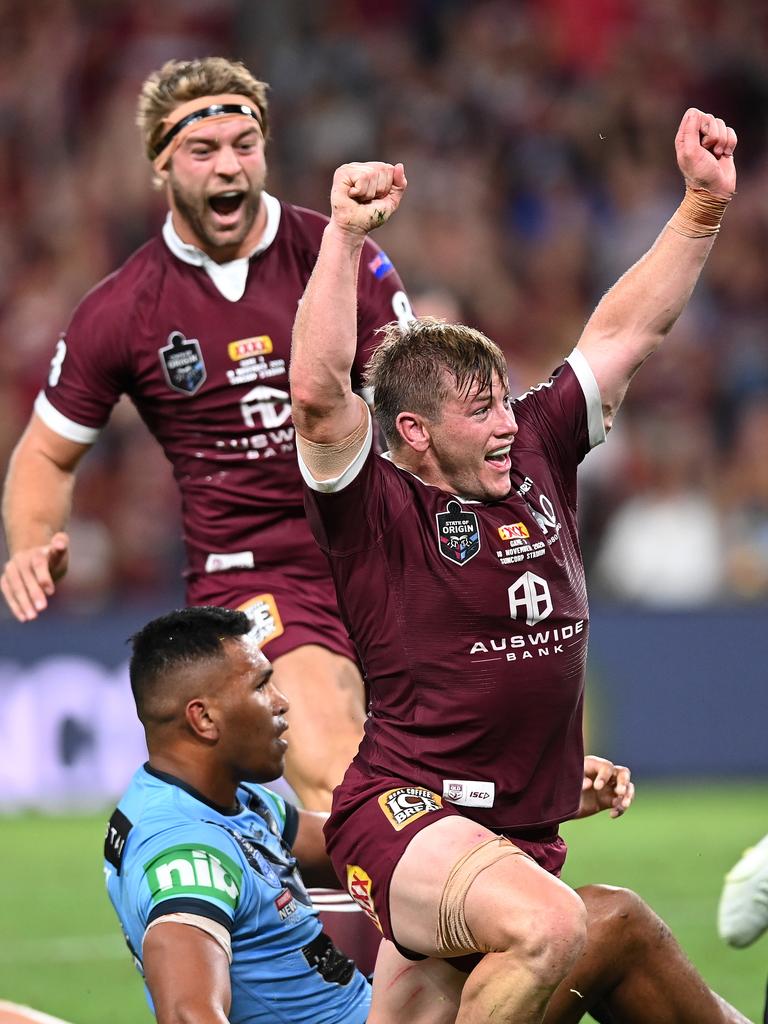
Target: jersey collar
[
  {"x": 230, "y": 278},
  {"x": 458, "y": 497},
  {"x": 174, "y": 780}
]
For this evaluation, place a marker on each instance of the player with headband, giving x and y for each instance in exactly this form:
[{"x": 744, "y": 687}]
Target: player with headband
[{"x": 196, "y": 327}]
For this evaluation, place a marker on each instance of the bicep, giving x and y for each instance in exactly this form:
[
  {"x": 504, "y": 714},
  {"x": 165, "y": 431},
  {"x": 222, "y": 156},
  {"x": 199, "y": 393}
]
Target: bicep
[
  {"x": 187, "y": 973},
  {"x": 613, "y": 365},
  {"x": 39, "y": 440}
]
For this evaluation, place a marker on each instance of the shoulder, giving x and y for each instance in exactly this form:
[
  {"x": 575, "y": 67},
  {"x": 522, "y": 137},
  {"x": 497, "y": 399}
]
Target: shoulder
[
  {"x": 301, "y": 226},
  {"x": 118, "y": 298}
]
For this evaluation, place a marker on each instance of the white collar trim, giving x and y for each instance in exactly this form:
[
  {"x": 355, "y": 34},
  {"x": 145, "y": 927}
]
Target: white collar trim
[{"x": 230, "y": 278}]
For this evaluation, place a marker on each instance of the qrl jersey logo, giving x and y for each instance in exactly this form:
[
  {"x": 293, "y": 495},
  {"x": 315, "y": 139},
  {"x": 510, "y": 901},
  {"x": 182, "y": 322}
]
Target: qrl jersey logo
[
  {"x": 529, "y": 596},
  {"x": 199, "y": 870}
]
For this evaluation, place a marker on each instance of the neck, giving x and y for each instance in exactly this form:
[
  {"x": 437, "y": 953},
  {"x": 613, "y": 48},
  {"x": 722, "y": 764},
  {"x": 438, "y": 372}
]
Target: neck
[{"x": 210, "y": 781}]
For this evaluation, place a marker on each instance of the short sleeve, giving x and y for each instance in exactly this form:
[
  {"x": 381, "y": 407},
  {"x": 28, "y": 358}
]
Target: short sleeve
[
  {"x": 195, "y": 870},
  {"x": 564, "y": 414},
  {"x": 87, "y": 372}
]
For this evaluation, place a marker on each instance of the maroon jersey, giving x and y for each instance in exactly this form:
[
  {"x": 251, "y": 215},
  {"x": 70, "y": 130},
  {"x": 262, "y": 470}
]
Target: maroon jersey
[
  {"x": 209, "y": 376},
  {"x": 470, "y": 618}
]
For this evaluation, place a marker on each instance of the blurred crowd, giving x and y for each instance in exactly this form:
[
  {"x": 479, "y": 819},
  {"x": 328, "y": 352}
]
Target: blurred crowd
[{"x": 538, "y": 140}]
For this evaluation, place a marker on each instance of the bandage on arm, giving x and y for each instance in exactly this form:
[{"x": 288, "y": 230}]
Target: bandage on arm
[
  {"x": 213, "y": 928},
  {"x": 328, "y": 461},
  {"x": 699, "y": 214}
]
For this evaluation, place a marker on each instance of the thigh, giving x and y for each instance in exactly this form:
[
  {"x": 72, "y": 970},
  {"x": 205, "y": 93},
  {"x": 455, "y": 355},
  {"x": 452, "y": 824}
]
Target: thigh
[
  {"x": 326, "y": 718},
  {"x": 507, "y": 895},
  {"x": 420, "y": 992}
]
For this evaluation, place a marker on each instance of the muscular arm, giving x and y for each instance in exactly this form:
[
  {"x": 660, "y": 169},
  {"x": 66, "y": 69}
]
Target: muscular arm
[
  {"x": 187, "y": 973},
  {"x": 325, "y": 409},
  {"x": 36, "y": 504},
  {"x": 634, "y": 317}
]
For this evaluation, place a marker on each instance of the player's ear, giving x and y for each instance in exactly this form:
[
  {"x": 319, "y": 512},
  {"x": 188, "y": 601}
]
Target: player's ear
[
  {"x": 414, "y": 430},
  {"x": 200, "y": 720}
]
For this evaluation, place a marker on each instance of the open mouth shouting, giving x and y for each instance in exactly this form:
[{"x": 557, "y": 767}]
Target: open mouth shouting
[
  {"x": 499, "y": 458},
  {"x": 226, "y": 205}
]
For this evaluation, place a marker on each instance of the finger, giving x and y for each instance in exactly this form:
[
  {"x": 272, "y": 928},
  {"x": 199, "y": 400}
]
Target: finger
[
  {"x": 730, "y": 143},
  {"x": 604, "y": 775},
  {"x": 399, "y": 181},
  {"x": 10, "y": 599},
  {"x": 621, "y": 783},
  {"x": 622, "y": 804},
  {"x": 40, "y": 571},
  {"x": 20, "y": 591},
  {"x": 719, "y": 134},
  {"x": 689, "y": 132}
]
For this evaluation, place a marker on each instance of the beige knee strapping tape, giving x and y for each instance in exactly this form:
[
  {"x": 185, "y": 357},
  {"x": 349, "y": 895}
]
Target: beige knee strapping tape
[{"x": 453, "y": 935}]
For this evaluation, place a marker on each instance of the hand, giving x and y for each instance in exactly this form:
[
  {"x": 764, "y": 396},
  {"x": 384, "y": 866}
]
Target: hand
[
  {"x": 606, "y": 785},
  {"x": 704, "y": 145},
  {"x": 364, "y": 196},
  {"x": 30, "y": 576}
]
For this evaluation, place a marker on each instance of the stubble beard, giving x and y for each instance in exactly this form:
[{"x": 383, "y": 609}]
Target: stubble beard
[{"x": 217, "y": 243}]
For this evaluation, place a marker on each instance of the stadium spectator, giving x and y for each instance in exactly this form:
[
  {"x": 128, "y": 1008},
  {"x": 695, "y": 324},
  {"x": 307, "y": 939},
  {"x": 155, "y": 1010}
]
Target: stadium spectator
[
  {"x": 201, "y": 866},
  {"x": 504, "y": 93},
  {"x": 473, "y": 747}
]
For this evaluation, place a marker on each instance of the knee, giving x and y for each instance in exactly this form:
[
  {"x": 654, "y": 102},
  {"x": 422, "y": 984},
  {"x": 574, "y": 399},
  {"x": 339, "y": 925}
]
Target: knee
[
  {"x": 553, "y": 937},
  {"x": 618, "y": 919}
]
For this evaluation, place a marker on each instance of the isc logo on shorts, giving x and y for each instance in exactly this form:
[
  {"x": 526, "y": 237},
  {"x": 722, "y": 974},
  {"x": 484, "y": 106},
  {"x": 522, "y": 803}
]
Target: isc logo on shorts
[
  {"x": 359, "y": 886},
  {"x": 404, "y": 805}
]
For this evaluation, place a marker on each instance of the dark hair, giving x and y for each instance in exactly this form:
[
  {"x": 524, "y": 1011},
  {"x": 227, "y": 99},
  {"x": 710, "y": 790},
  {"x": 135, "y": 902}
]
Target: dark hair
[
  {"x": 177, "y": 639},
  {"x": 413, "y": 366}
]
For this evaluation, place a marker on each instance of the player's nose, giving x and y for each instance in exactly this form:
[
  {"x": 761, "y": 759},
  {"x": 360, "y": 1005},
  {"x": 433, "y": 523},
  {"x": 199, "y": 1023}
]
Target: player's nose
[{"x": 227, "y": 163}]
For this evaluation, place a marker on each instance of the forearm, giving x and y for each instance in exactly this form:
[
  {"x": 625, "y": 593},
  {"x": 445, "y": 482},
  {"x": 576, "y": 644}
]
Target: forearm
[
  {"x": 325, "y": 341},
  {"x": 37, "y": 499},
  {"x": 190, "y": 1013}
]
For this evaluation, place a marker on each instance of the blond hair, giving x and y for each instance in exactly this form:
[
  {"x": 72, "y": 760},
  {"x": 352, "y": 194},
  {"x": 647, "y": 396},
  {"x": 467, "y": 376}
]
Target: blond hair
[
  {"x": 179, "y": 81},
  {"x": 413, "y": 367}
]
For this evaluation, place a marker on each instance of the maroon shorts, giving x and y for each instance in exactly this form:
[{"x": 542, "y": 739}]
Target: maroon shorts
[
  {"x": 287, "y": 612},
  {"x": 368, "y": 837}
]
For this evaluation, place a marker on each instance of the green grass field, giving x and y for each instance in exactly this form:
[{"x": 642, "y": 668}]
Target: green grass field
[{"x": 61, "y": 950}]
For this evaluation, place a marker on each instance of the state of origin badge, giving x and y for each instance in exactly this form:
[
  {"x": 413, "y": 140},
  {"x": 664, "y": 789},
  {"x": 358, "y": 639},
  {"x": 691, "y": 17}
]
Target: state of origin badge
[
  {"x": 183, "y": 363},
  {"x": 458, "y": 534}
]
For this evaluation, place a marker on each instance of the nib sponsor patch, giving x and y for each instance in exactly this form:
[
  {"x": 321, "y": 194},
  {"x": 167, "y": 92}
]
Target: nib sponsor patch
[
  {"x": 194, "y": 871},
  {"x": 408, "y": 803}
]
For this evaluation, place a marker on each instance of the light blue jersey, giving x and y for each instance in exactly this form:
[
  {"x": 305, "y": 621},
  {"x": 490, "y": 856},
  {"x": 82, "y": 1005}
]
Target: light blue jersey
[{"x": 167, "y": 851}]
